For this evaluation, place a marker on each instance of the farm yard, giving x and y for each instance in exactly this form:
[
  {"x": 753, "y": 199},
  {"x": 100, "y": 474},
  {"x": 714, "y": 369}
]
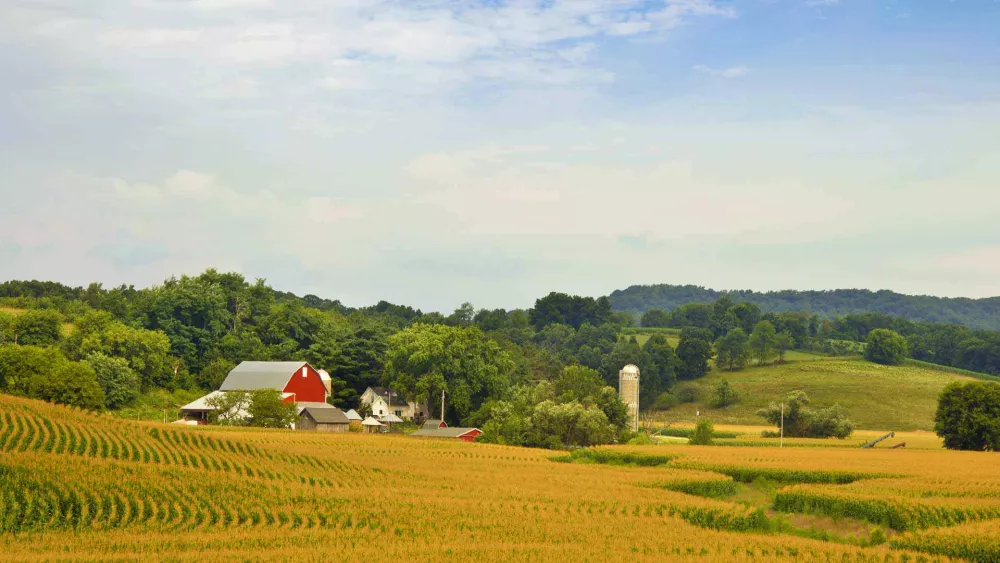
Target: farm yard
[{"x": 92, "y": 487}]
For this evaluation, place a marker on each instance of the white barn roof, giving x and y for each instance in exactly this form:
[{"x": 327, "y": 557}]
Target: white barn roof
[
  {"x": 250, "y": 376},
  {"x": 202, "y": 403}
]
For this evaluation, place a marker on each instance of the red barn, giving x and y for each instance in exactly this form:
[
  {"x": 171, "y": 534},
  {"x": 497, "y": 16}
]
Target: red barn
[{"x": 299, "y": 381}]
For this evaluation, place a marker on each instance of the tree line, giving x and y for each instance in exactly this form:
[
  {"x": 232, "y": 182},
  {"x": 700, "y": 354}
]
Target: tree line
[
  {"x": 736, "y": 322},
  {"x": 974, "y": 313}
]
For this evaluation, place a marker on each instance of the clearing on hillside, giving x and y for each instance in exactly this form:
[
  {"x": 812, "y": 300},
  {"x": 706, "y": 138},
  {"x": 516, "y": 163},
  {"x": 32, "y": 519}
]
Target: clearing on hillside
[{"x": 876, "y": 397}]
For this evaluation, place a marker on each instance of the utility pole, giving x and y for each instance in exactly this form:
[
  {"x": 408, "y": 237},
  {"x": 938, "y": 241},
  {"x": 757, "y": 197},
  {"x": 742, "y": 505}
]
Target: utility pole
[{"x": 782, "y": 442}]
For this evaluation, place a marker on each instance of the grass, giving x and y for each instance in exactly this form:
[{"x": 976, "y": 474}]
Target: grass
[{"x": 875, "y": 396}]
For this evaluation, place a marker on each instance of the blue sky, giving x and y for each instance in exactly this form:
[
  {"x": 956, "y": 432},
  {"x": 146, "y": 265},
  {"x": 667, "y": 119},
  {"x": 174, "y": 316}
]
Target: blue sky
[{"x": 432, "y": 152}]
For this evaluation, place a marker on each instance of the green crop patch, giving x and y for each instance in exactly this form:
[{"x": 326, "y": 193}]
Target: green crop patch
[{"x": 606, "y": 457}]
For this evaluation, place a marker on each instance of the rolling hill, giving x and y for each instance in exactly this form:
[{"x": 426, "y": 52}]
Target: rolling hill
[
  {"x": 975, "y": 313},
  {"x": 876, "y": 397}
]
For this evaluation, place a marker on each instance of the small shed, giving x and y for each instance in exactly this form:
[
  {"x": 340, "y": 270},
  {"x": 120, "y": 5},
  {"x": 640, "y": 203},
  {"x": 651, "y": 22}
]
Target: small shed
[
  {"x": 323, "y": 419},
  {"x": 433, "y": 424},
  {"x": 371, "y": 425},
  {"x": 354, "y": 418},
  {"x": 464, "y": 434}
]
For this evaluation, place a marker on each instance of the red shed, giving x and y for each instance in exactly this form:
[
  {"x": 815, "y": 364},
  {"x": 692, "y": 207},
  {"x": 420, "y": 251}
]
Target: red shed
[{"x": 464, "y": 434}]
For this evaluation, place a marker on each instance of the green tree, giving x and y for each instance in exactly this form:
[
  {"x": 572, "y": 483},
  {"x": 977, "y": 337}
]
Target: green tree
[
  {"x": 693, "y": 352},
  {"x": 655, "y": 318},
  {"x": 662, "y": 374},
  {"x": 747, "y": 316},
  {"x": 38, "y": 327},
  {"x": 267, "y": 409},
  {"x": 213, "y": 374},
  {"x": 423, "y": 360},
  {"x": 572, "y": 424},
  {"x": 146, "y": 351},
  {"x": 576, "y": 383},
  {"x": 119, "y": 383},
  {"x": 802, "y": 421},
  {"x": 703, "y": 431},
  {"x": 20, "y": 365},
  {"x": 71, "y": 383},
  {"x": 763, "y": 342},
  {"x": 7, "y": 332},
  {"x": 783, "y": 342},
  {"x": 732, "y": 350},
  {"x": 887, "y": 347},
  {"x": 626, "y": 351},
  {"x": 968, "y": 416},
  {"x": 230, "y": 408}
]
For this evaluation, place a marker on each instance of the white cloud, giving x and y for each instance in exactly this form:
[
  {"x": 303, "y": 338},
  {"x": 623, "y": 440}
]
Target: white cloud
[{"x": 731, "y": 72}]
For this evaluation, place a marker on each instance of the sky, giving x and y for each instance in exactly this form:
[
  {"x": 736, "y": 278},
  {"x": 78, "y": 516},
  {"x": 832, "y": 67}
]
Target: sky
[{"x": 433, "y": 152}]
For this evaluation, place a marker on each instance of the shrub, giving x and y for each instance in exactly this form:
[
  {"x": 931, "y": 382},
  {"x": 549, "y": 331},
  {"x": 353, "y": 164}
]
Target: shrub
[
  {"x": 885, "y": 347},
  {"x": 687, "y": 394},
  {"x": 802, "y": 422},
  {"x": 702, "y": 435},
  {"x": 725, "y": 395}
]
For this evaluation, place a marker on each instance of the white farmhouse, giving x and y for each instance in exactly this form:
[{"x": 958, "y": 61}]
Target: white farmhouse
[{"x": 385, "y": 401}]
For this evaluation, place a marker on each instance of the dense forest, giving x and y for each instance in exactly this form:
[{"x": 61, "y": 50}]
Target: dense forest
[
  {"x": 545, "y": 376},
  {"x": 974, "y": 313}
]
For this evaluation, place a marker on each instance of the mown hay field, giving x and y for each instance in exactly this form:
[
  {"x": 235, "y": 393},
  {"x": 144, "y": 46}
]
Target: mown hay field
[{"x": 78, "y": 486}]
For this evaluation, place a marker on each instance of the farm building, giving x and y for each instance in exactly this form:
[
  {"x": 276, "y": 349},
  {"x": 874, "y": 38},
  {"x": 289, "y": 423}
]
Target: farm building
[
  {"x": 298, "y": 382},
  {"x": 354, "y": 418},
  {"x": 433, "y": 424},
  {"x": 465, "y": 434},
  {"x": 371, "y": 425},
  {"x": 323, "y": 419},
  {"x": 384, "y": 401}
]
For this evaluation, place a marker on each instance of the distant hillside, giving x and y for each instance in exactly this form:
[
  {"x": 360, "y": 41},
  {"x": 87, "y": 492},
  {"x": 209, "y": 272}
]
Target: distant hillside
[{"x": 976, "y": 313}]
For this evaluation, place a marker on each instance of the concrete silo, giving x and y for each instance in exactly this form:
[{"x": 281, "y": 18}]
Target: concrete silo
[{"x": 628, "y": 390}]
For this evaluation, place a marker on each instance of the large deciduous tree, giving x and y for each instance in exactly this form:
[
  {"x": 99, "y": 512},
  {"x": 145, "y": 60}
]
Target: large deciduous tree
[
  {"x": 116, "y": 378},
  {"x": 732, "y": 350},
  {"x": 968, "y": 416},
  {"x": 693, "y": 352},
  {"x": 885, "y": 346},
  {"x": 763, "y": 342},
  {"x": 423, "y": 360}
]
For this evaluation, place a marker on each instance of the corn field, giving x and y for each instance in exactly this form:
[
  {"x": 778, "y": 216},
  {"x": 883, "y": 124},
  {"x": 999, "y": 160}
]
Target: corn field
[{"x": 82, "y": 486}]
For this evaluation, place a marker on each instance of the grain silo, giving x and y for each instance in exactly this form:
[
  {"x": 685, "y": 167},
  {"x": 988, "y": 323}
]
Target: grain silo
[{"x": 628, "y": 390}]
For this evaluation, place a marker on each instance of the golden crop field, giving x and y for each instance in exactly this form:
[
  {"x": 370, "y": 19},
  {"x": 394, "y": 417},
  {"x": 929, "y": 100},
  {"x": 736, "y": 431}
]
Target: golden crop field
[{"x": 78, "y": 486}]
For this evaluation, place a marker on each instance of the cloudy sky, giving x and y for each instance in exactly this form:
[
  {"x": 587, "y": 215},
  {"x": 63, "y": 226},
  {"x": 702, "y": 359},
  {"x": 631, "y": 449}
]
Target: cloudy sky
[{"x": 432, "y": 152}]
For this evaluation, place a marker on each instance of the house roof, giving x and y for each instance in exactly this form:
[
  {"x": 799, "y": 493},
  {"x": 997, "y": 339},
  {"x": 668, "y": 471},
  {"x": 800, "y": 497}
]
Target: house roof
[
  {"x": 303, "y": 405},
  {"x": 202, "y": 403},
  {"x": 250, "y": 376},
  {"x": 433, "y": 424},
  {"x": 451, "y": 432},
  {"x": 386, "y": 393},
  {"x": 353, "y": 415},
  {"x": 326, "y": 415},
  {"x": 371, "y": 422}
]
